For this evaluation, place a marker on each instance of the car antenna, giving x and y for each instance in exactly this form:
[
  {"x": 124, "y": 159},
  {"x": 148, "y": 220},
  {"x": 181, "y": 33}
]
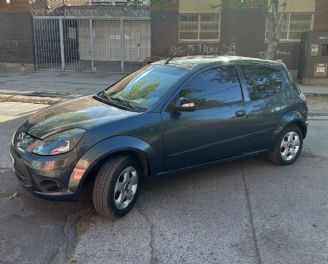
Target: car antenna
[{"x": 168, "y": 60}]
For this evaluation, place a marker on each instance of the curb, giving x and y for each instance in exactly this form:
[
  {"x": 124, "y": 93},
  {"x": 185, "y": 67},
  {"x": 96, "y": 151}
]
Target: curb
[
  {"x": 316, "y": 94},
  {"x": 318, "y": 114},
  {"x": 35, "y": 97},
  {"x": 29, "y": 99}
]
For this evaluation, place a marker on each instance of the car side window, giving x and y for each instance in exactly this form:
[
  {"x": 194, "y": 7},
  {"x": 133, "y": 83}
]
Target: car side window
[
  {"x": 262, "y": 81},
  {"x": 213, "y": 88}
]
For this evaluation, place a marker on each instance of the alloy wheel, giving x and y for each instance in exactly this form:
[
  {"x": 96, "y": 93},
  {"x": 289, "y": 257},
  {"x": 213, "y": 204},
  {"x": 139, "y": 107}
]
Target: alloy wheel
[
  {"x": 290, "y": 146},
  {"x": 125, "y": 187}
]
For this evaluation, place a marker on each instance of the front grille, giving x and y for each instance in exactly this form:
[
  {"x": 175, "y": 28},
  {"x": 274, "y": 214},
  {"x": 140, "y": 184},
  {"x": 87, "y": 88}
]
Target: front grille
[
  {"x": 23, "y": 177},
  {"x": 20, "y": 169}
]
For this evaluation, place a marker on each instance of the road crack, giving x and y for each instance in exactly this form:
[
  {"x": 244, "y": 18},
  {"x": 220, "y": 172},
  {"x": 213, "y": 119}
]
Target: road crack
[
  {"x": 65, "y": 252},
  {"x": 250, "y": 216},
  {"x": 152, "y": 259}
]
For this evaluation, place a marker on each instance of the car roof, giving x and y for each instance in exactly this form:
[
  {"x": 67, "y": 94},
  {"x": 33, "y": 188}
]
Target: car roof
[{"x": 192, "y": 62}]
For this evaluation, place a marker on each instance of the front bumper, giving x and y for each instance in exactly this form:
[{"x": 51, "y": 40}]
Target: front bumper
[{"x": 45, "y": 177}]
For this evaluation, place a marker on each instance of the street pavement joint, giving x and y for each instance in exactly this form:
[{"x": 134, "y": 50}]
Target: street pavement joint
[
  {"x": 250, "y": 215},
  {"x": 152, "y": 259}
]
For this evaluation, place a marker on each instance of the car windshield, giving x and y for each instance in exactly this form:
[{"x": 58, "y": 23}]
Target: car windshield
[{"x": 142, "y": 89}]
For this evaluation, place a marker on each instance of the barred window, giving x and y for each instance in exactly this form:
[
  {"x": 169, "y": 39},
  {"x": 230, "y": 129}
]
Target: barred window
[
  {"x": 292, "y": 26},
  {"x": 195, "y": 27}
]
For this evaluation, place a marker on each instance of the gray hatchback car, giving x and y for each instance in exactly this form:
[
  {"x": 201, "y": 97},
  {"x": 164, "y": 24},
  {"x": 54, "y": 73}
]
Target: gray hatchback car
[{"x": 169, "y": 116}]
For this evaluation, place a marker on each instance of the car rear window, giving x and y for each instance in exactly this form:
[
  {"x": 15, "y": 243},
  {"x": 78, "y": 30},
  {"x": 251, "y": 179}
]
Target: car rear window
[{"x": 262, "y": 81}]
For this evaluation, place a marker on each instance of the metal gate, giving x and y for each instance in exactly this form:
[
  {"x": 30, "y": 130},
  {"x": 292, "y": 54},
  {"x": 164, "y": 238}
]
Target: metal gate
[{"x": 91, "y": 44}]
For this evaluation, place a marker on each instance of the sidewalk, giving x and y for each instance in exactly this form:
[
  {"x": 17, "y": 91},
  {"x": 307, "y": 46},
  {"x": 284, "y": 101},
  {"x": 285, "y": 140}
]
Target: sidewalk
[
  {"x": 319, "y": 90},
  {"x": 61, "y": 84},
  {"x": 55, "y": 83}
]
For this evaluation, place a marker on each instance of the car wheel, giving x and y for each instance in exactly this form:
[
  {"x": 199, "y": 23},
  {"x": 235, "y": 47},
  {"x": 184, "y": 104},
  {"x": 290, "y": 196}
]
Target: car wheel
[
  {"x": 116, "y": 187},
  {"x": 288, "y": 146}
]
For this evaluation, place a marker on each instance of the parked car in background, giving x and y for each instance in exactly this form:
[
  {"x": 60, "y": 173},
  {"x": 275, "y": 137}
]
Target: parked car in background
[{"x": 169, "y": 116}]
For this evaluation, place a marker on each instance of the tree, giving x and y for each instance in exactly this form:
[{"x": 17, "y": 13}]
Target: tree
[
  {"x": 137, "y": 3},
  {"x": 274, "y": 16}
]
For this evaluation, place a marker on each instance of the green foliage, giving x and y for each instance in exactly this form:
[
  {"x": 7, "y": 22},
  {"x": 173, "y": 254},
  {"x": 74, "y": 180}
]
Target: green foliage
[
  {"x": 199, "y": 101},
  {"x": 263, "y": 5},
  {"x": 138, "y": 3},
  {"x": 141, "y": 89},
  {"x": 215, "y": 6}
]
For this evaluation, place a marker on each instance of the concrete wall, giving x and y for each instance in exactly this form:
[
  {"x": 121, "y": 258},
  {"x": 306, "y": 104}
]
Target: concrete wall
[
  {"x": 16, "y": 38},
  {"x": 300, "y": 6}
]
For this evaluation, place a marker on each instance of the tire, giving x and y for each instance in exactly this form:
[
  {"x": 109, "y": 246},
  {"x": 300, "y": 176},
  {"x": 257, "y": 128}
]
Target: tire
[
  {"x": 289, "y": 141},
  {"x": 117, "y": 180}
]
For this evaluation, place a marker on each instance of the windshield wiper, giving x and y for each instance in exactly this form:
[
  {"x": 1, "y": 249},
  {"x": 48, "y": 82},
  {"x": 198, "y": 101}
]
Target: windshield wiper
[
  {"x": 118, "y": 101},
  {"x": 104, "y": 97},
  {"x": 124, "y": 102}
]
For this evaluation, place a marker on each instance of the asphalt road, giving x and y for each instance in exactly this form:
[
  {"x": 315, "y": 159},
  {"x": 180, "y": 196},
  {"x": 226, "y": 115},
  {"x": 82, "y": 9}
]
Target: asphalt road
[
  {"x": 31, "y": 230},
  {"x": 248, "y": 211}
]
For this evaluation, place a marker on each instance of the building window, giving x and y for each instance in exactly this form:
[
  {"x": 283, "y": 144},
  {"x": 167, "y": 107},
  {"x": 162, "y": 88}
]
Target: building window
[
  {"x": 197, "y": 27},
  {"x": 292, "y": 26}
]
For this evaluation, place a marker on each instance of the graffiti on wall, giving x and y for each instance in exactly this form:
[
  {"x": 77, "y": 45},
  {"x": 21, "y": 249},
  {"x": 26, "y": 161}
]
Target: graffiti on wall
[
  {"x": 188, "y": 49},
  {"x": 282, "y": 53}
]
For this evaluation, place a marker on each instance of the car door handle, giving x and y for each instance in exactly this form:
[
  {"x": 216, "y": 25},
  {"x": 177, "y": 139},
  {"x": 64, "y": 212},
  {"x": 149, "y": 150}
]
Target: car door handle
[{"x": 240, "y": 113}]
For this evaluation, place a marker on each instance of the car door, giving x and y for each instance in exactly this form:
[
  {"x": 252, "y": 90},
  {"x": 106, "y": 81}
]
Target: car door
[
  {"x": 216, "y": 129},
  {"x": 263, "y": 84}
]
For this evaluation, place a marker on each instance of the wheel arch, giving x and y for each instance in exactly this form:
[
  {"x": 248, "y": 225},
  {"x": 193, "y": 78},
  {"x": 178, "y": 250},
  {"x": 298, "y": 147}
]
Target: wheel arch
[
  {"x": 301, "y": 125},
  {"x": 107, "y": 149},
  {"x": 291, "y": 118},
  {"x": 140, "y": 157}
]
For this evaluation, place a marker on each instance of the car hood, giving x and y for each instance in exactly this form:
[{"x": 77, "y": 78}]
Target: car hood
[{"x": 84, "y": 112}]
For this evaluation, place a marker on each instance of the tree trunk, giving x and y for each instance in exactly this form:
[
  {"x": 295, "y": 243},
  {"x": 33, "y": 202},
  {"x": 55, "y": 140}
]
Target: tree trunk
[
  {"x": 271, "y": 51},
  {"x": 274, "y": 19}
]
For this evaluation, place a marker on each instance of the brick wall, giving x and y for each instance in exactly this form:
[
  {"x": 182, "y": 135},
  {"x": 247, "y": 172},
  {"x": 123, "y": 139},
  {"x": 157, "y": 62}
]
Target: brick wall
[
  {"x": 164, "y": 28},
  {"x": 16, "y": 38},
  {"x": 321, "y": 20},
  {"x": 15, "y": 6},
  {"x": 243, "y": 28}
]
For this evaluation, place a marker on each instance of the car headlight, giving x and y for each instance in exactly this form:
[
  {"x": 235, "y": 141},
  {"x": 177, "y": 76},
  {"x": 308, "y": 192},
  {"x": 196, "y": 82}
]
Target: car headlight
[
  {"x": 59, "y": 143},
  {"x": 23, "y": 141}
]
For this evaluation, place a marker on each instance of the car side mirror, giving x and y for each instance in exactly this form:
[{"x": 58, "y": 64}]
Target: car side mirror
[{"x": 184, "y": 104}]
